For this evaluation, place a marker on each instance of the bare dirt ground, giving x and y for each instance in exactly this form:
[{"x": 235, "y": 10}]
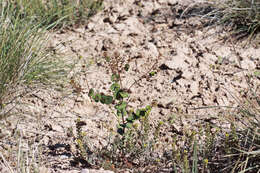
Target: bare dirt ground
[{"x": 197, "y": 66}]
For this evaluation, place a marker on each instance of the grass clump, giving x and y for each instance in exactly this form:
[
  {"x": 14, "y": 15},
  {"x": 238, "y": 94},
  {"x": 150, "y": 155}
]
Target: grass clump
[
  {"x": 25, "y": 60},
  {"x": 24, "y": 56},
  {"x": 243, "y": 16},
  {"x": 245, "y": 134},
  {"x": 21, "y": 44},
  {"x": 54, "y": 13}
]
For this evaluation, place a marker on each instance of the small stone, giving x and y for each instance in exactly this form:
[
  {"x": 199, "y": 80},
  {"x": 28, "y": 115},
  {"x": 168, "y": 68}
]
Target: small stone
[
  {"x": 57, "y": 128},
  {"x": 176, "y": 64}
]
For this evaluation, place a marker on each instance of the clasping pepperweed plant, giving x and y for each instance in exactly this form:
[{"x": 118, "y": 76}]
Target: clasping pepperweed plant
[{"x": 119, "y": 98}]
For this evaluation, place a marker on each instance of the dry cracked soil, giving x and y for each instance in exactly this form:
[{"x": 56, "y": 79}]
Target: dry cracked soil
[{"x": 199, "y": 68}]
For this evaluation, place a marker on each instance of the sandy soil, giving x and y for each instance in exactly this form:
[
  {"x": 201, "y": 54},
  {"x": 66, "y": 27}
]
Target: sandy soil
[{"x": 197, "y": 67}]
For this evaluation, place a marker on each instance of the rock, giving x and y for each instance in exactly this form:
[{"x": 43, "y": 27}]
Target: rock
[
  {"x": 153, "y": 50},
  {"x": 57, "y": 128},
  {"x": 176, "y": 64}
]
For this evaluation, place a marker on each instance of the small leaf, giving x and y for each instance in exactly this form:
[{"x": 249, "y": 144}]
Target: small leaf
[
  {"x": 257, "y": 73},
  {"x": 129, "y": 125},
  {"x": 123, "y": 94},
  {"x": 119, "y": 113},
  {"x": 116, "y": 95},
  {"x": 121, "y": 106},
  {"x": 127, "y": 66},
  {"x": 135, "y": 116},
  {"x": 130, "y": 119},
  {"x": 137, "y": 112},
  {"x": 152, "y": 73},
  {"x": 108, "y": 100},
  {"x": 148, "y": 109},
  {"x": 124, "y": 112},
  {"x": 91, "y": 92},
  {"x": 115, "y": 87}
]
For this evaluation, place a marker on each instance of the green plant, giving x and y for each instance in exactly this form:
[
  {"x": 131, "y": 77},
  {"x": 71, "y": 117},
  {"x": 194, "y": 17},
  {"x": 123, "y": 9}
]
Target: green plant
[
  {"x": 119, "y": 100},
  {"x": 134, "y": 140}
]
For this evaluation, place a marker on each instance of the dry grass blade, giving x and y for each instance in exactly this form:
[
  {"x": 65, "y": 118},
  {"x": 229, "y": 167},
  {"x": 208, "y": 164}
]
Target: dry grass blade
[{"x": 5, "y": 164}]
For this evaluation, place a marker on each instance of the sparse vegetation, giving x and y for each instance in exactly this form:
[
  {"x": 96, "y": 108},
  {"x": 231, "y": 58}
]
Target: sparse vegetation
[
  {"x": 137, "y": 142},
  {"x": 242, "y": 16},
  {"x": 25, "y": 59},
  {"x": 23, "y": 27},
  {"x": 206, "y": 149}
]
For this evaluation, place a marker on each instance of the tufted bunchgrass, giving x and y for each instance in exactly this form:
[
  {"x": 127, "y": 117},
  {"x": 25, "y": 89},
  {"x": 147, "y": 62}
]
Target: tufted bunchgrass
[
  {"x": 241, "y": 16},
  {"x": 24, "y": 27}
]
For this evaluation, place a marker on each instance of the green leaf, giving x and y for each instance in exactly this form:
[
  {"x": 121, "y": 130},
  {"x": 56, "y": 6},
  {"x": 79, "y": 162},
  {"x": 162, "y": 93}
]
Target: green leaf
[
  {"x": 117, "y": 95},
  {"x": 137, "y": 113},
  {"x": 115, "y": 87},
  {"x": 135, "y": 116},
  {"x": 121, "y": 106},
  {"x": 129, "y": 125},
  {"x": 109, "y": 100},
  {"x": 124, "y": 112},
  {"x": 91, "y": 92},
  {"x": 152, "y": 73},
  {"x": 119, "y": 113},
  {"x": 130, "y": 118},
  {"x": 106, "y": 99},
  {"x": 148, "y": 108},
  {"x": 127, "y": 66},
  {"x": 123, "y": 94},
  {"x": 257, "y": 73}
]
